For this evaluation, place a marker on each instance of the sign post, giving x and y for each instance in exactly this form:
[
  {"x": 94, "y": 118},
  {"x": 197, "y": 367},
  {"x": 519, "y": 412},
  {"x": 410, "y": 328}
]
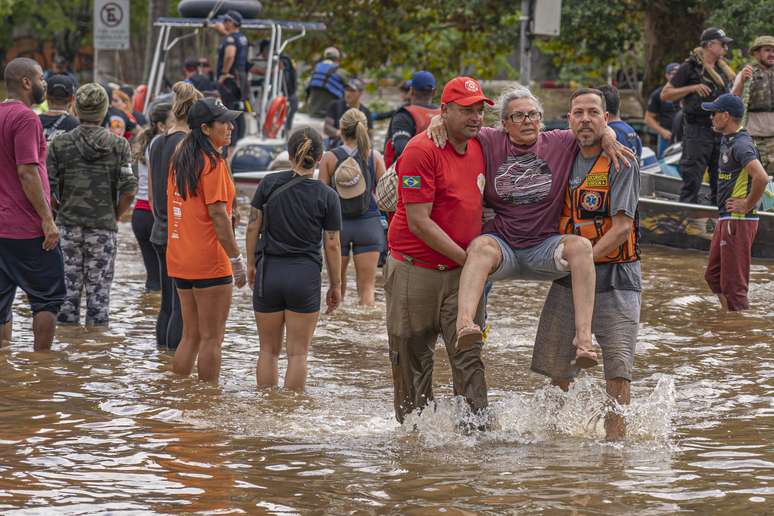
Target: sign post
[
  {"x": 111, "y": 27},
  {"x": 538, "y": 18}
]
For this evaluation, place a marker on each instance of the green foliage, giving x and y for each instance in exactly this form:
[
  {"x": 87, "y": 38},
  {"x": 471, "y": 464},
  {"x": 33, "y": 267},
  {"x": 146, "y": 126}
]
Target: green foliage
[{"x": 744, "y": 20}]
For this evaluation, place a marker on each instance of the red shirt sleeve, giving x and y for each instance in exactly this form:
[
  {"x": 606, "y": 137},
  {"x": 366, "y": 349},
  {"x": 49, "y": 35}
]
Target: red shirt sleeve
[
  {"x": 416, "y": 175},
  {"x": 215, "y": 183},
  {"x": 26, "y": 140}
]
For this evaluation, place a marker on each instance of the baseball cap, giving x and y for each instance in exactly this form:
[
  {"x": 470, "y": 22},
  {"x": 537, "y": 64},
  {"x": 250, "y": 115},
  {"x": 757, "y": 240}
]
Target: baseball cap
[
  {"x": 464, "y": 91},
  {"x": 60, "y": 86},
  {"x": 726, "y": 103},
  {"x": 715, "y": 33},
  {"x": 331, "y": 53},
  {"x": 349, "y": 180},
  {"x": 762, "y": 41},
  {"x": 356, "y": 84},
  {"x": 233, "y": 16},
  {"x": 672, "y": 67},
  {"x": 210, "y": 110},
  {"x": 423, "y": 81}
]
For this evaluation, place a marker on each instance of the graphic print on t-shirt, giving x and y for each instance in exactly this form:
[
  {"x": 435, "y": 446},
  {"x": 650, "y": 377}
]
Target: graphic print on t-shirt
[{"x": 524, "y": 179}]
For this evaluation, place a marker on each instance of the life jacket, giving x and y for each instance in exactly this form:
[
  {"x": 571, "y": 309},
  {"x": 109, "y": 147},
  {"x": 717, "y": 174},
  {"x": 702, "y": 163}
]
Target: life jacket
[
  {"x": 586, "y": 213},
  {"x": 324, "y": 76},
  {"x": 761, "y": 89},
  {"x": 422, "y": 116}
]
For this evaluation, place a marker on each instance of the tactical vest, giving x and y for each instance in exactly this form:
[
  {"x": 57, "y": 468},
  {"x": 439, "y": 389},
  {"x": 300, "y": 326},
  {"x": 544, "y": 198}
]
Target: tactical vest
[
  {"x": 421, "y": 116},
  {"x": 761, "y": 89},
  {"x": 586, "y": 213},
  {"x": 692, "y": 102},
  {"x": 324, "y": 76}
]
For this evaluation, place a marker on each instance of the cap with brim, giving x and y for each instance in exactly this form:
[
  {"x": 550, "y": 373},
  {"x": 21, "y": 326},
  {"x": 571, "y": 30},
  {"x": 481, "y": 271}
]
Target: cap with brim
[
  {"x": 714, "y": 33},
  {"x": 210, "y": 110},
  {"x": 762, "y": 41},
  {"x": 349, "y": 183},
  {"x": 671, "y": 67},
  {"x": 356, "y": 84},
  {"x": 464, "y": 91},
  {"x": 233, "y": 16},
  {"x": 423, "y": 81},
  {"x": 726, "y": 103},
  {"x": 60, "y": 86}
]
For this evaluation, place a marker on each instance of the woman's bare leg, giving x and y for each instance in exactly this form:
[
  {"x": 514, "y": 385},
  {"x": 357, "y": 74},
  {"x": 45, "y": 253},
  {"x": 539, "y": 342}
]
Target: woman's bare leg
[
  {"x": 213, "y": 304},
  {"x": 365, "y": 274},
  {"x": 300, "y": 328},
  {"x": 271, "y": 326},
  {"x": 188, "y": 349}
]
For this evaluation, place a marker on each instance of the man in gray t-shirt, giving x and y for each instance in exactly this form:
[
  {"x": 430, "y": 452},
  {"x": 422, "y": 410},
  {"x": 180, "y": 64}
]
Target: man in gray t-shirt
[{"x": 618, "y": 284}]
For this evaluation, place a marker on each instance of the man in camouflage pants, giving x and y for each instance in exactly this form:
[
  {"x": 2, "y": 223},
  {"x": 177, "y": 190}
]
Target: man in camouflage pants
[
  {"x": 91, "y": 178},
  {"x": 755, "y": 84}
]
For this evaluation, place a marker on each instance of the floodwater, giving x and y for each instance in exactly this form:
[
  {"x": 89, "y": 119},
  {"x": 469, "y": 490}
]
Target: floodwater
[{"x": 101, "y": 425}]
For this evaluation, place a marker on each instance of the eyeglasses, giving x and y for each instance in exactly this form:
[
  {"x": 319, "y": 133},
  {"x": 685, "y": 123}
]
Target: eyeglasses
[{"x": 518, "y": 117}]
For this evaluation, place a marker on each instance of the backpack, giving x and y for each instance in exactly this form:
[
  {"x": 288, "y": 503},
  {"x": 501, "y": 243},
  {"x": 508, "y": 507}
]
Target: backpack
[
  {"x": 387, "y": 190},
  {"x": 52, "y": 132},
  {"x": 351, "y": 170}
]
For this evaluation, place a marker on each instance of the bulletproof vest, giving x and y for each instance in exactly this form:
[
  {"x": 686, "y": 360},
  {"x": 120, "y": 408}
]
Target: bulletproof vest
[
  {"x": 692, "y": 102},
  {"x": 761, "y": 89}
]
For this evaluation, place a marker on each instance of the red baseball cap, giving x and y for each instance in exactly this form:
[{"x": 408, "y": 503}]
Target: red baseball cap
[{"x": 464, "y": 91}]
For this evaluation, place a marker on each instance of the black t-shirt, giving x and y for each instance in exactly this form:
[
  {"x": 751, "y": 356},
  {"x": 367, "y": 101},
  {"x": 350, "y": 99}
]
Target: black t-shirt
[
  {"x": 688, "y": 74},
  {"x": 337, "y": 108},
  {"x": 663, "y": 109},
  {"x": 202, "y": 82},
  {"x": 160, "y": 156},
  {"x": 297, "y": 218},
  {"x": 54, "y": 125}
]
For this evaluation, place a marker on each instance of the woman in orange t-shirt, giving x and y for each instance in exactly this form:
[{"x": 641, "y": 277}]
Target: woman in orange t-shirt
[{"x": 202, "y": 253}]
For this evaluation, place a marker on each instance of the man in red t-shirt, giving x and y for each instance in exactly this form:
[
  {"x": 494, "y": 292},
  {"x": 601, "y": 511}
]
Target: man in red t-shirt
[
  {"x": 438, "y": 215},
  {"x": 30, "y": 257}
]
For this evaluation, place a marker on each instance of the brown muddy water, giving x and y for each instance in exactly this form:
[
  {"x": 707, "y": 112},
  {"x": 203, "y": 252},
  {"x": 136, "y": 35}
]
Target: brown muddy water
[{"x": 101, "y": 426}]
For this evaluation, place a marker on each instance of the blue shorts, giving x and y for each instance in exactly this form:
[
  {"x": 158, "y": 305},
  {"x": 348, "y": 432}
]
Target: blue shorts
[
  {"x": 289, "y": 283},
  {"x": 363, "y": 235},
  {"x": 539, "y": 262},
  {"x": 39, "y": 273}
]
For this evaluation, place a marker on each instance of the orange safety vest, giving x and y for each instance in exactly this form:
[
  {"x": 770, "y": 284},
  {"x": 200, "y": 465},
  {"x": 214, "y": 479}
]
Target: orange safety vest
[
  {"x": 587, "y": 213},
  {"x": 421, "y": 116}
]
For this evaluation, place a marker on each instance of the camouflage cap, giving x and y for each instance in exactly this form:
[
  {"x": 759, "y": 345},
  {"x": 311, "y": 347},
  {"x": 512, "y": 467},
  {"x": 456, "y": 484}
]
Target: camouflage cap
[
  {"x": 91, "y": 102},
  {"x": 762, "y": 41}
]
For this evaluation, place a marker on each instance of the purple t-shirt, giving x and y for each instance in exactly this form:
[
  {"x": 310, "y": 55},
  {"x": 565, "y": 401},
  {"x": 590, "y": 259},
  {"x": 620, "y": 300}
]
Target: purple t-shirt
[
  {"x": 21, "y": 143},
  {"x": 526, "y": 185}
]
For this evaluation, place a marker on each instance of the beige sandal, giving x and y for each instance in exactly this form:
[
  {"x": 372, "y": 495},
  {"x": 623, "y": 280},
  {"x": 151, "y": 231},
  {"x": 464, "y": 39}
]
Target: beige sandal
[{"x": 468, "y": 337}]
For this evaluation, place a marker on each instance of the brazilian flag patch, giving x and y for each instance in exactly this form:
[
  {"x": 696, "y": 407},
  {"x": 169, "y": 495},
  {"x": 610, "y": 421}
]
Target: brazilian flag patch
[{"x": 413, "y": 182}]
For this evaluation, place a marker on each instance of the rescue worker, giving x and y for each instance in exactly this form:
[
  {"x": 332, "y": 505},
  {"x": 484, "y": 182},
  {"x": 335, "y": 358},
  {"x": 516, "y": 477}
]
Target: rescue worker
[
  {"x": 231, "y": 70},
  {"x": 703, "y": 77},
  {"x": 326, "y": 84},
  {"x": 413, "y": 118},
  {"x": 660, "y": 116},
  {"x": 756, "y": 85},
  {"x": 601, "y": 205}
]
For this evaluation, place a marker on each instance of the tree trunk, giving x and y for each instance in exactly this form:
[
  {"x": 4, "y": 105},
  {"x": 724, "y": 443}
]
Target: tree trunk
[{"x": 672, "y": 29}]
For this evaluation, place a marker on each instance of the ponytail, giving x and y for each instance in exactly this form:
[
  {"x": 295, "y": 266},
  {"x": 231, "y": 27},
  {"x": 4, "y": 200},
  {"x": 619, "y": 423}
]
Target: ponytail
[
  {"x": 159, "y": 114},
  {"x": 354, "y": 126},
  {"x": 185, "y": 97},
  {"x": 305, "y": 147}
]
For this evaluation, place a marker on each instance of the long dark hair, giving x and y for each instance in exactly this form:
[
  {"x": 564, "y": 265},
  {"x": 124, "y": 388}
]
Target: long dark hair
[
  {"x": 305, "y": 147},
  {"x": 159, "y": 114},
  {"x": 188, "y": 161}
]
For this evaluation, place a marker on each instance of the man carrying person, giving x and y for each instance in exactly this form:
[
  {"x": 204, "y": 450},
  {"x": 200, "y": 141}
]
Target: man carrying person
[
  {"x": 30, "y": 257},
  {"x": 412, "y": 118},
  {"x": 624, "y": 133},
  {"x": 60, "y": 93},
  {"x": 91, "y": 170},
  {"x": 438, "y": 215},
  {"x": 231, "y": 70},
  {"x": 601, "y": 205},
  {"x": 703, "y": 77},
  {"x": 352, "y": 94},
  {"x": 742, "y": 180},
  {"x": 660, "y": 115},
  {"x": 326, "y": 84},
  {"x": 755, "y": 84}
]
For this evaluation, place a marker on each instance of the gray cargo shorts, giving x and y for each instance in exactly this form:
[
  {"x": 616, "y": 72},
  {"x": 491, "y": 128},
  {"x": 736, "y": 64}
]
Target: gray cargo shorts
[
  {"x": 539, "y": 262},
  {"x": 615, "y": 324}
]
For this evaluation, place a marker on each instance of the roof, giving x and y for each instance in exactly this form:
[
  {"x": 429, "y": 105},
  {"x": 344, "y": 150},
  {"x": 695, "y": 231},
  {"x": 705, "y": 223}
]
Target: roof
[{"x": 246, "y": 24}]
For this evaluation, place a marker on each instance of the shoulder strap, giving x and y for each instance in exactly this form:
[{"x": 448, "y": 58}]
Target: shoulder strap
[
  {"x": 59, "y": 121},
  {"x": 275, "y": 193}
]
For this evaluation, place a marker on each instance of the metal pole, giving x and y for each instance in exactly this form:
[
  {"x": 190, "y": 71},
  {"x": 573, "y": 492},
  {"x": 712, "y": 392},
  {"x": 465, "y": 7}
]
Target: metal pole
[
  {"x": 96, "y": 64},
  {"x": 525, "y": 50}
]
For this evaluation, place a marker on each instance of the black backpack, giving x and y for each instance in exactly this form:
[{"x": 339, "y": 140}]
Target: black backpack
[{"x": 356, "y": 206}]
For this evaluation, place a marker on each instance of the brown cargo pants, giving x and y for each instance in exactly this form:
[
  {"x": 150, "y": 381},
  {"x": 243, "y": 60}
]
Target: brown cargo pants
[{"x": 422, "y": 304}]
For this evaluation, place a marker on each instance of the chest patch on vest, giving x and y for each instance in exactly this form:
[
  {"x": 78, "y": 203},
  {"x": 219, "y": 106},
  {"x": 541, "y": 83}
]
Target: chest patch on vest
[
  {"x": 590, "y": 200},
  {"x": 596, "y": 180}
]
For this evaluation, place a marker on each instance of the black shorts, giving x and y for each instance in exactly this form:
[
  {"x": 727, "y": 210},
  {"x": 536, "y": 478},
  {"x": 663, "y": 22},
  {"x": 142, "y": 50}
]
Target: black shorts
[
  {"x": 363, "y": 235},
  {"x": 289, "y": 283},
  {"x": 39, "y": 273},
  {"x": 188, "y": 284}
]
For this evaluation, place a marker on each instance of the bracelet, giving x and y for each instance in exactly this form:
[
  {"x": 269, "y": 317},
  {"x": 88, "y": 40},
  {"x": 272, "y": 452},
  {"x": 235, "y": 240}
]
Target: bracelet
[{"x": 237, "y": 259}]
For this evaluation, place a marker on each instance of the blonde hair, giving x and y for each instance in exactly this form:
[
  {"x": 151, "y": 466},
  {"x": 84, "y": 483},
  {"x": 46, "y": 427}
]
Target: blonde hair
[
  {"x": 354, "y": 126},
  {"x": 185, "y": 97}
]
